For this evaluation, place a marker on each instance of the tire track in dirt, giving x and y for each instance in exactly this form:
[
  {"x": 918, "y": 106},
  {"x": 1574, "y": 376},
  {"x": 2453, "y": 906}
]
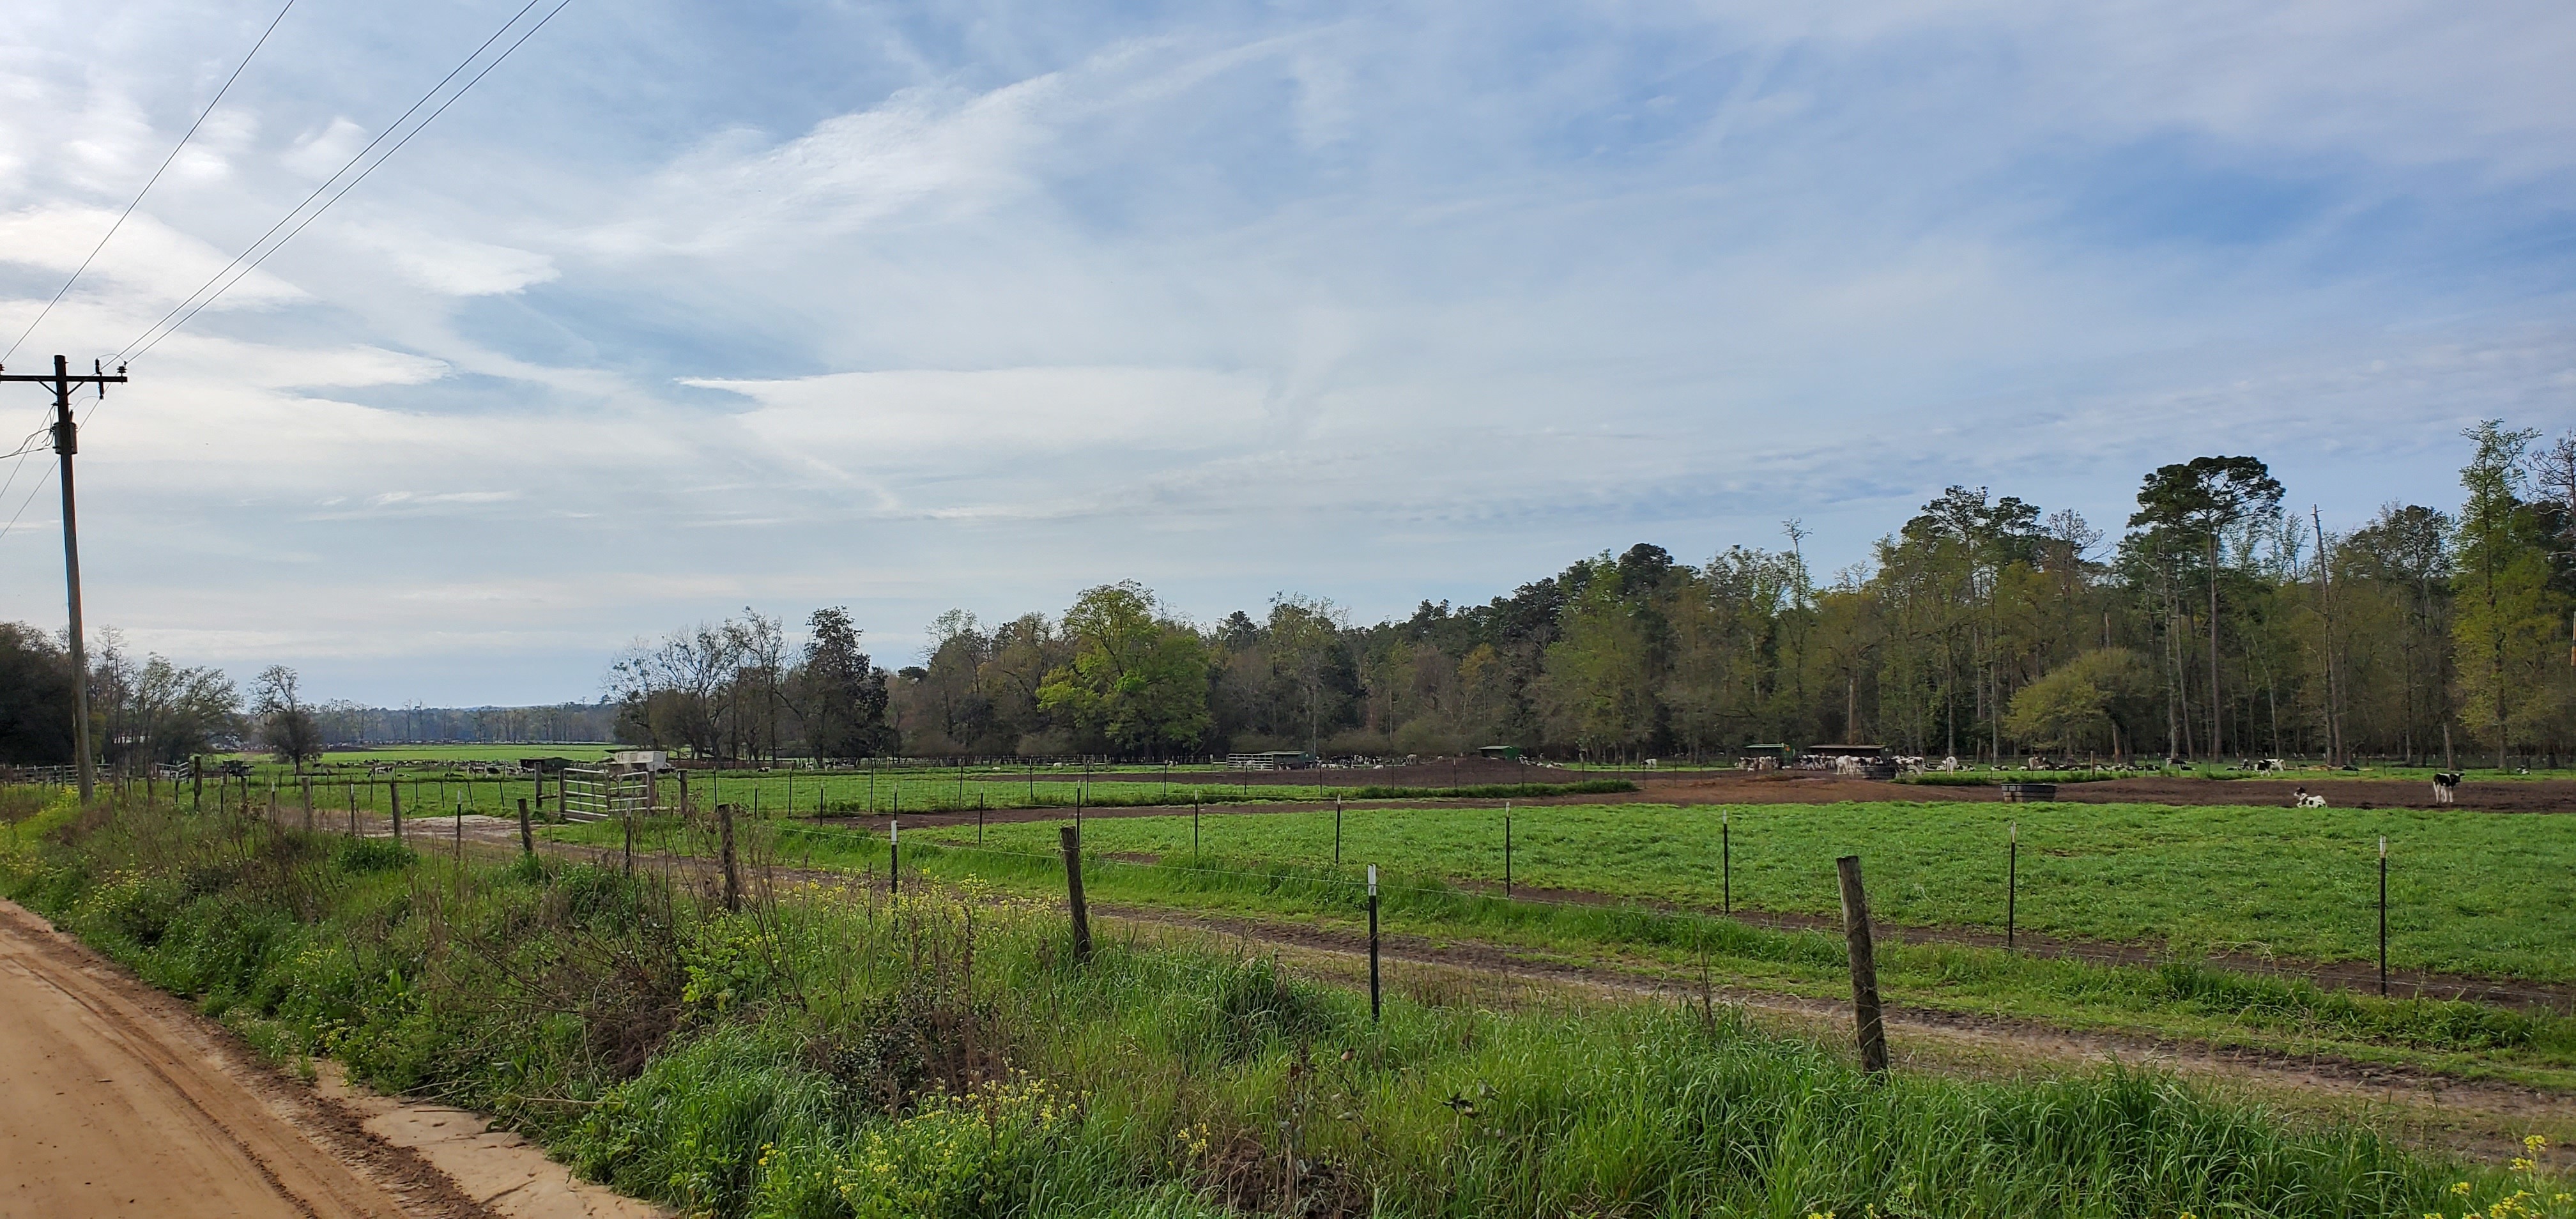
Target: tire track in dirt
[{"x": 118, "y": 1099}]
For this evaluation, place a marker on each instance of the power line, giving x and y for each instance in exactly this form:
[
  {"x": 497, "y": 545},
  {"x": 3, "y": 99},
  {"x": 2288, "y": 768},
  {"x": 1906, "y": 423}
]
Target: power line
[
  {"x": 41, "y": 314},
  {"x": 189, "y": 307},
  {"x": 32, "y": 493}
]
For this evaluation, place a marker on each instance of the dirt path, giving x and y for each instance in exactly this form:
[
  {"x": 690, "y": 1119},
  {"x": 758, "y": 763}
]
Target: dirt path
[
  {"x": 117, "y": 1099},
  {"x": 112, "y": 1101}
]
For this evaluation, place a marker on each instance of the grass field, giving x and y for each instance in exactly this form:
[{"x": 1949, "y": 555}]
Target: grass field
[
  {"x": 442, "y": 786},
  {"x": 2179, "y": 999},
  {"x": 453, "y": 753},
  {"x": 841, "y": 1054},
  {"x": 2469, "y": 892}
]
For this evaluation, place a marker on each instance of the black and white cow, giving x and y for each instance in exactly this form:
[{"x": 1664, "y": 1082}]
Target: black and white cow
[{"x": 2446, "y": 788}]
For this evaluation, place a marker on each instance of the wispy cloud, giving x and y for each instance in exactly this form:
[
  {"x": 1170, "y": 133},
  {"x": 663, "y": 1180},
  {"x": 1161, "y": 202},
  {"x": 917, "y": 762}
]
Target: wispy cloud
[{"x": 930, "y": 305}]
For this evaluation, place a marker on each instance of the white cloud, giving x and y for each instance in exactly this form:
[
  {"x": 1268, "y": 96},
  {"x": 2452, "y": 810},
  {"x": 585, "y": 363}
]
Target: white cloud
[
  {"x": 450, "y": 265},
  {"x": 910, "y": 309},
  {"x": 148, "y": 261}
]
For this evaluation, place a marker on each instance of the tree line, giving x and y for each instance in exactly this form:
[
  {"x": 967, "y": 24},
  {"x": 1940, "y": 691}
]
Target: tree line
[
  {"x": 2217, "y": 624},
  {"x": 151, "y": 710}
]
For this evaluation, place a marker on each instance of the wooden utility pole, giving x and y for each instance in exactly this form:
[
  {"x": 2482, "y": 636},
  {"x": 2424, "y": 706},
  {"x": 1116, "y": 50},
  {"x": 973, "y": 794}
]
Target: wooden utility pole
[{"x": 66, "y": 443}]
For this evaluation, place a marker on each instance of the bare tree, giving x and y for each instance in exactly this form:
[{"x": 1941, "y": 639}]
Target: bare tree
[{"x": 286, "y": 726}]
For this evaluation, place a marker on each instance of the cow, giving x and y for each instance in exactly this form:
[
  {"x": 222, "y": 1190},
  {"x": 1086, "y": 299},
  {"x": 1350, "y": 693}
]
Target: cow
[
  {"x": 2307, "y": 800},
  {"x": 2446, "y": 787}
]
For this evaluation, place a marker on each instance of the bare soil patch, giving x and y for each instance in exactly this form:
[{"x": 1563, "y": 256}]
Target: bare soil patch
[{"x": 117, "y": 1099}]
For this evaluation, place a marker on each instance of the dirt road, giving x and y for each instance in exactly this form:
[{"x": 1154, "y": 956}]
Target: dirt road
[
  {"x": 113, "y": 1103},
  {"x": 117, "y": 1099}
]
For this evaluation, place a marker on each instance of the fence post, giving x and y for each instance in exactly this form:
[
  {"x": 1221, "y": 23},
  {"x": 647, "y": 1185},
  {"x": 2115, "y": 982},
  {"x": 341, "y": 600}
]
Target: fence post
[
  {"x": 393, "y": 795},
  {"x": 1725, "y": 861},
  {"x": 2012, "y": 883},
  {"x": 527, "y": 835},
  {"x": 1507, "y": 849},
  {"x": 627, "y": 816},
  {"x": 2383, "y": 916},
  {"x": 724, "y": 844},
  {"x": 308, "y": 805},
  {"x": 894, "y": 855},
  {"x": 1070, "y": 839},
  {"x": 1337, "y": 831},
  {"x": 1864, "y": 969},
  {"x": 197, "y": 783},
  {"x": 1372, "y": 882},
  {"x": 1194, "y": 829}
]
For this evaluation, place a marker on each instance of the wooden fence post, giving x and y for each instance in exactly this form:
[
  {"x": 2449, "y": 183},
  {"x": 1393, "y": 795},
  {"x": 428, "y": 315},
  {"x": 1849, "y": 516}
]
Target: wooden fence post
[
  {"x": 724, "y": 844},
  {"x": 308, "y": 805},
  {"x": 1864, "y": 969},
  {"x": 527, "y": 835},
  {"x": 393, "y": 794},
  {"x": 1070, "y": 838}
]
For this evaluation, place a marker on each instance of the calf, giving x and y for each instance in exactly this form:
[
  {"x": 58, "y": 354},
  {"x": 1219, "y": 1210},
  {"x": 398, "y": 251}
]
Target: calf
[
  {"x": 2306, "y": 800},
  {"x": 2446, "y": 788}
]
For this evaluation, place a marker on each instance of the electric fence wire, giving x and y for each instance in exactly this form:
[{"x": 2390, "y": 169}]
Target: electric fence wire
[
  {"x": 244, "y": 263},
  {"x": 1090, "y": 859},
  {"x": 148, "y": 184}
]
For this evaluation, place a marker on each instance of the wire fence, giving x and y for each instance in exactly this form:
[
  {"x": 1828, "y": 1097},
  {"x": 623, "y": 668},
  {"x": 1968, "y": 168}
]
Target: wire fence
[{"x": 1622, "y": 924}]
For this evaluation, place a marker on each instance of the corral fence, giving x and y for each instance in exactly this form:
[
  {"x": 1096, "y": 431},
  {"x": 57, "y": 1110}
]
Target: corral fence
[{"x": 591, "y": 794}]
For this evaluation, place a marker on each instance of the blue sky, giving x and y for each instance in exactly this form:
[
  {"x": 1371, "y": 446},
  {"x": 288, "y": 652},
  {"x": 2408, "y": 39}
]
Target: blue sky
[{"x": 906, "y": 307}]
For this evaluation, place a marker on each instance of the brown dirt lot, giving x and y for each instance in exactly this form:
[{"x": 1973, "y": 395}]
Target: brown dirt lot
[{"x": 1792, "y": 787}]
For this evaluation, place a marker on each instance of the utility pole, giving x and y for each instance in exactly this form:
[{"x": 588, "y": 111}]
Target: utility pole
[{"x": 66, "y": 443}]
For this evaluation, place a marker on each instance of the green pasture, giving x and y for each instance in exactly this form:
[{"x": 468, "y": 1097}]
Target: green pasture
[
  {"x": 445, "y": 787},
  {"x": 2177, "y": 999},
  {"x": 832, "y": 1052},
  {"x": 2477, "y": 893}
]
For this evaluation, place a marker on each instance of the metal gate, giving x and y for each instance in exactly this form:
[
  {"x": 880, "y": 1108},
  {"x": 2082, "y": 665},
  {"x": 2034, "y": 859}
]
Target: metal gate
[{"x": 598, "y": 795}]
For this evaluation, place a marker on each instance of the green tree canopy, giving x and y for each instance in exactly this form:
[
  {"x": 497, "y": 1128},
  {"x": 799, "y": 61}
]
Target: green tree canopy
[{"x": 1138, "y": 683}]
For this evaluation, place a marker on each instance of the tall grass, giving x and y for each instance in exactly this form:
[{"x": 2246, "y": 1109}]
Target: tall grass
[
  {"x": 834, "y": 1052},
  {"x": 2178, "y": 997}
]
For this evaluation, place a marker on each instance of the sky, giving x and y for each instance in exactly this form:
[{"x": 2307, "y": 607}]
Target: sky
[{"x": 908, "y": 307}]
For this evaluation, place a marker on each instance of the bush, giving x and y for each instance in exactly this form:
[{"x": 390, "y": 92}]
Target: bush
[{"x": 363, "y": 856}]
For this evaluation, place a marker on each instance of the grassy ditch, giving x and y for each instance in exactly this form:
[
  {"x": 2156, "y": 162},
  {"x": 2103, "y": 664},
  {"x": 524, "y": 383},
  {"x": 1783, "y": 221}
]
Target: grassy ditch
[
  {"x": 2181, "y": 998},
  {"x": 832, "y": 1052}
]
